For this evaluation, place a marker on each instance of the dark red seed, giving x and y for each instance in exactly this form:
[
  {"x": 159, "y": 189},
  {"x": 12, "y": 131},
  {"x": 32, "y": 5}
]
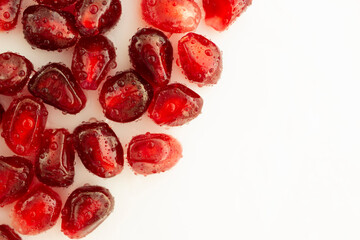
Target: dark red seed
[
  {"x": 58, "y": 4},
  {"x": 16, "y": 175},
  {"x": 96, "y": 16},
  {"x": 153, "y": 153},
  {"x": 175, "y": 16},
  {"x": 93, "y": 59},
  {"x": 56, "y": 85},
  {"x": 151, "y": 55},
  {"x": 220, "y": 14},
  {"x": 49, "y": 29},
  {"x": 9, "y": 12},
  {"x": 54, "y": 165},
  {"x": 200, "y": 59},
  {"x": 23, "y": 124},
  {"x": 125, "y": 97},
  {"x": 99, "y": 149},
  {"x": 85, "y": 209},
  {"x": 37, "y": 211},
  {"x": 7, "y": 233},
  {"x": 175, "y": 105},
  {"x": 15, "y": 71}
]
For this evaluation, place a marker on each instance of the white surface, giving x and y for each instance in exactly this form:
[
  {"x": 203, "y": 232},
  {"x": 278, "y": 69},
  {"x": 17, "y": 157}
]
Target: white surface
[{"x": 275, "y": 154}]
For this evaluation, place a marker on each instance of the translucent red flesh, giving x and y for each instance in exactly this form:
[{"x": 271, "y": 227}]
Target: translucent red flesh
[
  {"x": 9, "y": 11},
  {"x": 7, "y": 233}
]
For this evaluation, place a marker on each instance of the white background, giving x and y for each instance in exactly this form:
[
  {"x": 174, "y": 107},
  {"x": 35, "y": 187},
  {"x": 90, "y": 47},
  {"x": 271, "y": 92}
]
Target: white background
[{"x": 275, "y": 153}]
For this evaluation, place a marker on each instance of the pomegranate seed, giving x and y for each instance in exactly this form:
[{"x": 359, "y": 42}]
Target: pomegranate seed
[
  {"x": 58, "y": 4},
  {"x": 99, "y": 149},
  {"x": 85, "y": 209},
  {"x": 49, "y": 29},
  {"x": 200, "y": 59},
  {"x": 175, "y": 16},
  {"x": 37, "y": 211},
  {"x": 16, "y": 175},
  {"x": 93, "y": 58},
  {"x": 15, "y": 71},
  {"x": 175, "y": 105},
  {"x": 125, "y": 97},
  {"x": 23, "y": 124},
  {"x": 54, "y": 165},
  {"x": 151, "y": 55},
  {"x": 220, "y": 14},
  {"x": 153, "y": 153},
  {"x": 56, "y": 85},
  {"x": 96, "y": 16},
  {"x": 7, "y": 233},
  {"x": 9, "y": 12}
]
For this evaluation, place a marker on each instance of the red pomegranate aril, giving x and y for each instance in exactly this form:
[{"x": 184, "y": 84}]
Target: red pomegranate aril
[
  {"x": 56, "y": 85},
  {"x": 58, "y": 4},
  {"x": 16, "y": 175},
  {"x": 15, "y": 71},
  {"x": 200, "y": 59},
  {"x": 175, "y": 105},
  {"x": 9, "y": 12},
  {"x": 54, "y": 165},
  {"x": 125, "y": 97},
  {"x": 175, "y": 16},
  {"x": 96, "y": 16},
  {"x": 220, "y": 14},
  {"x": 7, "y": 233},
  {"x": 49, "y": 29},
  {"x": 93, "y": 59},
  {"x": 151, "y": 54},
  {"x": 24, "y": 122},
  {"x": 37, "y": 211},
  {"x": 85, "y": 209},
  {"x": 153, "y": 153},
  {"x": 99, "y": 149}
]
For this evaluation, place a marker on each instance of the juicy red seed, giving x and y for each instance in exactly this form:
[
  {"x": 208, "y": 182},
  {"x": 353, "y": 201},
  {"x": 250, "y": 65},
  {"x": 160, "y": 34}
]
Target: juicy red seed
[
  {"x": 16, "y": 175},
  {"x": 99, "y": 149},
  {"x": 54, "y": 165},
  {"x": 85, "y": 209},
  {"x": 23, "y": 124},
  {"x": 49, "y": 29},
  {"x": 151, "y": 55},
  {"x": 7, "y": 233},
  {"x": 220, "y": 14},
  {"x": 176, "y": 16},
  {"x": 153, "y": 153},
  {"x": 9, "y": 12},
  {"x": 15, "y": 71},
  {"x": 93, "y": 59},
  {"x": 58, "y": 4},
  {"x": 175, "y": 105},
  {"x": 200, "y": 59},
  {"x": 125, "y": 97},
  {"x": 37, "y": 211},
  {"x": 96, "y": 16},
  {"x": 56, "y": 85}
]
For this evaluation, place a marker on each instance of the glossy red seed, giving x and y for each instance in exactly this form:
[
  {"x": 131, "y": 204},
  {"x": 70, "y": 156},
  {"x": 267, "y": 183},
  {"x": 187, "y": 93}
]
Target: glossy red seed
[
  {"x": 56, "y": 85},
  {"x": 85, "y": 209},
  {"x": 7, "y": 233},
  {"x": 16, "y": 175},
  {"x": 93, "y": 58},
  {"x": 176, "y": 16},
  {"x": 125, "y": 97},
  {"x": 58, "y": 4},
  {"x": 153, "y": 153},
  {"x": 220, "y": 14},
  {"x": 23, "y": 124},
  {"x": 9, "y": 12},
  {"x": 175, "y": 105},
  {"x": 151, "y": 54},
  {"x": 96, "y": 16},
  {"x": 49, "y": 29},
  {"x": 200, "y": 59},
  {"x": 54, "y": 165},
  {"x": 37, "y": 211},
  {"x": 15, "y": 71},
  {"x": 99, "y": 149}
]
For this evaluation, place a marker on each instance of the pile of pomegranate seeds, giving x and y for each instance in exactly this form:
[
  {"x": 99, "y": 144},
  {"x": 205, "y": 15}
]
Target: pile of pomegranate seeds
[{"x": 49, "y": 155}]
